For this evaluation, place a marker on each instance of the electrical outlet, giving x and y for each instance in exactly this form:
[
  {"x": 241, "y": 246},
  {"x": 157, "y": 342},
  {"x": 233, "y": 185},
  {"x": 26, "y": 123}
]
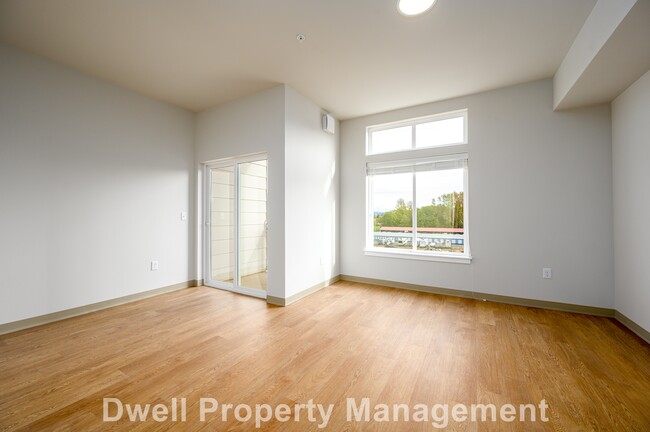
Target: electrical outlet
[
  {"x": 547, "y": 273},
  {"x": 154, "y": 265}
]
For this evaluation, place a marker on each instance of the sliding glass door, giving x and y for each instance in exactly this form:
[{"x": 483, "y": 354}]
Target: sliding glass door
[{"x": 236, "y": 225}]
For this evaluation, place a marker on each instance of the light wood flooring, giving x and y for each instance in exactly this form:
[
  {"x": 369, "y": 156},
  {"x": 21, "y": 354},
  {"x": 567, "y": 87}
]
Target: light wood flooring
[{"x": 348, "y": 340}]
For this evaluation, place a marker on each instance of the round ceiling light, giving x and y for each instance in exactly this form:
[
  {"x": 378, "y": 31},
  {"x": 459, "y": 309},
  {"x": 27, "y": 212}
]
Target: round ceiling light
[{"x": 414, "y": 7}]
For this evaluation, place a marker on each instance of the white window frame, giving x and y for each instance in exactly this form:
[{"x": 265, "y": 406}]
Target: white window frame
[
  {"x": 414, "y": 122},
  {"x": 413, "y": 156},
  {"x": 233, "y": 162}
]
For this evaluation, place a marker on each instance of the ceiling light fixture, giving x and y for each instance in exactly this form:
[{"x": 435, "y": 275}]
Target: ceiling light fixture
[{"x": 414, "y": 7}]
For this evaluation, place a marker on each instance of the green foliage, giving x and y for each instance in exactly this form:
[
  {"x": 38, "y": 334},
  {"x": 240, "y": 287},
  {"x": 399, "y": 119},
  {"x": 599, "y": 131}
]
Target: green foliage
[
  {"x": 444, "y": 212},
  {"x": 400, "y": 217}
]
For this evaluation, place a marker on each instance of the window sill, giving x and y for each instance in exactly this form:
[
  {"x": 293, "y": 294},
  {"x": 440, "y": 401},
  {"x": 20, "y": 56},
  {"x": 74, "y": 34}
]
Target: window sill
[{"x": 439, "y": 257}]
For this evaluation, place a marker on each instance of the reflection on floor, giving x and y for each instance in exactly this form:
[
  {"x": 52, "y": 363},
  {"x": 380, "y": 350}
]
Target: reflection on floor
[
  {"x": 391, "y": 346},
  {"x": 255, "y": 281}
]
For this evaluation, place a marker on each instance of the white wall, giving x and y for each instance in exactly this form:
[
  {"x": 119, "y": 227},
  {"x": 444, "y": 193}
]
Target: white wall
[
  {"x": 540, "y": 195},
  {"x": 93, "y": 179},
  {"x": 631, "y": 154},
  {"x": 250, "y": 125},
  {"x": 312, "y": 195},
  {"x": 302, "y": 183},
  {"x": 599, "y": 27}
]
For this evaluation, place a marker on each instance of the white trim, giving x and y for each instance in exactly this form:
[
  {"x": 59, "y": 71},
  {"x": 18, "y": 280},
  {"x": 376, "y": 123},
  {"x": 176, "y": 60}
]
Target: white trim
[
  {"x": 432, "y": 163},
  {"x": 412, "y": 158},
  {"x": 237, "y": 289},
  {"x": 249, "y": 157},
  {"x": 370, "y": 218},
  {"x": 413, "y": 122},
  {"x": 466, "y": 227},
  {"x": 418, "y": 160},
  {"x": 417, "y": 120},
  {"x": 233, "y": 162},
  {"x": 422, "y": 256},
  {"x": 236, "y": 278},
  {"x": 421, "y": 153},
  {"x": 466, "y": 126},
  {"x": 414, "y": 215},
  {"x": 207, "y": 208}
]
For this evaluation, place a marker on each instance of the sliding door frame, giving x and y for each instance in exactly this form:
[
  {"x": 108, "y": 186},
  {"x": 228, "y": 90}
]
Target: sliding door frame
[{"x": 207, "y": 216}]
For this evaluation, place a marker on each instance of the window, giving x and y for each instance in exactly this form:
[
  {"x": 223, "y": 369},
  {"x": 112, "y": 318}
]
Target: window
[
  {"x": 437, "y": 131},
  {"x": 417, "y": 196}
]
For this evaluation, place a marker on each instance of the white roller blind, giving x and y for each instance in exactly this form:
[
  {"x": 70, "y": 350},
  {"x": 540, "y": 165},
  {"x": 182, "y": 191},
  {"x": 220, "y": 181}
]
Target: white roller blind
[{"x": 436, "y": 163}]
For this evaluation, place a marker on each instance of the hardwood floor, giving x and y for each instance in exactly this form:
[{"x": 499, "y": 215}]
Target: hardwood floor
[{"x": 346, "y": 341}]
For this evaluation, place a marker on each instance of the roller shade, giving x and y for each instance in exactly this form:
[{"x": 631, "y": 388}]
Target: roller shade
[{"x": 437, "y": 163}]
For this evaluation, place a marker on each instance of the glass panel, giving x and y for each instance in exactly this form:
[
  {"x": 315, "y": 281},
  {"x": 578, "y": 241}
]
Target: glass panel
[
  {"x": 440, "y": 132},
  {"x": 252, "y": 224},
  {"x": 222, "y": 224},
  {"x": 391, "y": 140},
  {"x": 392, "y": 210},
  {"x": 439, "y": 201}
]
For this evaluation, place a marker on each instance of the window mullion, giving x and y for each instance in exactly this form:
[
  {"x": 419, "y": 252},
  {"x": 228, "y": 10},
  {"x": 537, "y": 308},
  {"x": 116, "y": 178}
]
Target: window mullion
[
  {"x": 466, "y": 211},
  {"x": 413, "y": 137},
  {"x": 370, "y": 218},
  {"x": 414, "y": 214}
]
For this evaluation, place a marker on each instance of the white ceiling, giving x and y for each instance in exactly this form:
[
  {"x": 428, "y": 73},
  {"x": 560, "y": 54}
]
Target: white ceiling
[{"x": 360, "y": 56}]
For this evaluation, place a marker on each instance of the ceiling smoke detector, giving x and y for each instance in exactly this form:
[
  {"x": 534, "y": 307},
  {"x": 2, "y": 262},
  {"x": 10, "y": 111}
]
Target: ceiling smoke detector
[
  {"x": 301, "y": 38},
  {"x": 414, "y": 7}
]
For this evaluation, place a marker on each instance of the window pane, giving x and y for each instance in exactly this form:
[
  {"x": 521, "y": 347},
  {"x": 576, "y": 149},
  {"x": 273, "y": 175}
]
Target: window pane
[
  {"x": 222, "y": 224},
  {"x": 439, "y": 201},
  {"x": 392, "y": 211},
  {"x": 441, "y": 132},
  {"x": 391, "y": 140},
  {"x": 252, "y": 224}
]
